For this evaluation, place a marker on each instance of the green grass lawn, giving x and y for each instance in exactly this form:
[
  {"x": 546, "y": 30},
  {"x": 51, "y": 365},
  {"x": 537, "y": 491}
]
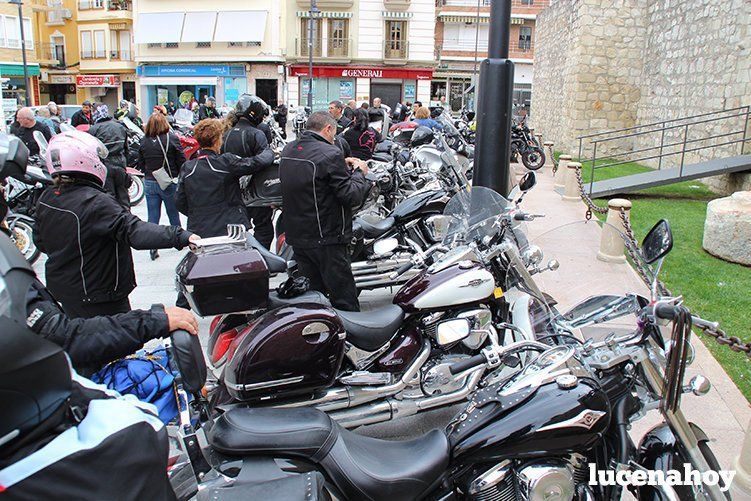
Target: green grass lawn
[{"x": 713, "y": 289}]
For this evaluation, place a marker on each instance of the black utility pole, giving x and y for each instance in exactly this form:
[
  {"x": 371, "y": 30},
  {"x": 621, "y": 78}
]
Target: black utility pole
[
  {"x": 313, "y": 12},
  {"x": 23, "y": 52},
  {"x": 494, "y": 105}
]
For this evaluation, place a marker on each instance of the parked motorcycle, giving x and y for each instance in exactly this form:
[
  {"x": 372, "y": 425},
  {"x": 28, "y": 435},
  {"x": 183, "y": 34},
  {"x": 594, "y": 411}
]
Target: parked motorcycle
[
  {"x": 535, "y": 433},
  {"x": 300, "y": 119},
  {"x": 524, "y": 145},
  {"x": 22, "y": 197}
]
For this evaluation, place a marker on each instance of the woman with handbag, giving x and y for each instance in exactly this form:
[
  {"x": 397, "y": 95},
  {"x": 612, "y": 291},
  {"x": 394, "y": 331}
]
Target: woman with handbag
[{"x": 160, "y": 157}]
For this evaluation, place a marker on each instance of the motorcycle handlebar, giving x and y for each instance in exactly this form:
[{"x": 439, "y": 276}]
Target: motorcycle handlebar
[
  {"x": 665, "y": 311},
  {"x": 401, "y": 270},
  {"x": 469, "y": 363}
]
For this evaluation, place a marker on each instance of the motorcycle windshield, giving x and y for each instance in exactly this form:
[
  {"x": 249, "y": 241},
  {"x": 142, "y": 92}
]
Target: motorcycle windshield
[
  {"x": 183, "y": 117},
  {"x": 448, "y": 124},
  {"x": 474, "y": 213},
  {"x": 583, "y": 285}
]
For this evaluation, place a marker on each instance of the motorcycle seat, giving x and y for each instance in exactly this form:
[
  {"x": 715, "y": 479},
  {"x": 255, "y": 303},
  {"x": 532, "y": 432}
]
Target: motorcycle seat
[
  {"x": 361, "y": 467},
  {"x": 377, "y": 229},
  {"x": 275, "y": 264},
  {"x": 308, "y": 297},
  {"x": 369, "y": 330}
]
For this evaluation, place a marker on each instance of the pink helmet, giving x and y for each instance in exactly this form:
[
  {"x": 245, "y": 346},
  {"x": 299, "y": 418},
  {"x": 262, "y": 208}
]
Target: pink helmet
[{"x": 76, "y": 152}]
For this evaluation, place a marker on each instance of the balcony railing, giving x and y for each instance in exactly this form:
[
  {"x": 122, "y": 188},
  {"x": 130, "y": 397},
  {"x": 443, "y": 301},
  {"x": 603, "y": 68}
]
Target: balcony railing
[
  {"x": 119, "y": 5},
  {"x": 90, "y": 4},
  {"x": 338, "y": 47},
  {"x": 121, "y": 55},
  {"x": 302, "y": 47},
  {"x": 486, "y": 3},
  {"x": 516, "y": 47},
  {"x": 395, "y": 50}
]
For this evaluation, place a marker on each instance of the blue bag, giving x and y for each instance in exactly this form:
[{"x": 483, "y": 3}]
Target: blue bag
[{"x": 147, "y": 376}]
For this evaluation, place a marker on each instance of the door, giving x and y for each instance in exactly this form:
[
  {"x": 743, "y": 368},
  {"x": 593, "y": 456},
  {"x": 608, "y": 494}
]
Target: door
[
  {"x": 129, "y": 91},
  {"x": 57, "y": 93},
  {"x": 390, "y": 93},
  {"x": 266, "y": 89}
]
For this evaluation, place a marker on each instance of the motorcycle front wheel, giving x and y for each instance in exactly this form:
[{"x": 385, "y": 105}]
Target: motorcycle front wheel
[
  {"x": 136, "y": 191},
  {"x": 533, "y": 158},
  {"x": 22, "y": 234}
]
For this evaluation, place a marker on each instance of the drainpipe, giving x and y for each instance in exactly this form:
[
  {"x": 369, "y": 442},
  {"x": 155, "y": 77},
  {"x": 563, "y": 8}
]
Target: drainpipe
[{"x": 493, "y": 145}]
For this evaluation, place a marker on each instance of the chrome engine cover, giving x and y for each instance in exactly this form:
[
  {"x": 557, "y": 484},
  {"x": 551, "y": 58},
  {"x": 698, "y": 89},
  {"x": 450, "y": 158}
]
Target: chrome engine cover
[{"x": 546, "y": 481}]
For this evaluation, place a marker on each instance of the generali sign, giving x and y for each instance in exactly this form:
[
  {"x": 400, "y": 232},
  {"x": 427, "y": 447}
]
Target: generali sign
[
  {"x": 362, "y": 72},
  {"x": 97, "y": 80}
]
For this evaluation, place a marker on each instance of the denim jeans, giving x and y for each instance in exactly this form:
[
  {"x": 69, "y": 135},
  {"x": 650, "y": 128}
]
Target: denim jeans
[{"x": 154, "y": 198}]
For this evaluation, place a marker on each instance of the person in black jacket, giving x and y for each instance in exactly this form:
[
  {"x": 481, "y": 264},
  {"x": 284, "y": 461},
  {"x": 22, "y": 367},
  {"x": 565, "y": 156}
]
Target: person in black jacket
[
  {"x": 208, "y": 190},
  {"x": 82, "y": 116},
  {"x": 87, "y": 235},
  {"x": 319, "y": 189},
  {"x": 248, "y": 139},
  {"x": 208, "y": 109},
  {"x": 361, "y": 137},
  {"x": 113, "y": 134},
  {"x": 336, "y": 108},
  {"x": 160, "y": 148},
  {"x": 25, "y": 128},
  {"x": 281, "y": 118}
]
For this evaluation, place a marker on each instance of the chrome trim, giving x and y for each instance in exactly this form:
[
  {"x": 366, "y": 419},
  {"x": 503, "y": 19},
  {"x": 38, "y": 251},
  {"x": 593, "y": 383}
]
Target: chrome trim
[
  {"x": 314, "y": 328},
  {"x": 585, "y": 419},
  {"x": 361, "y": 358},
  {"x": 268, "y": 384},
  {"x": 490, "y": 478}
]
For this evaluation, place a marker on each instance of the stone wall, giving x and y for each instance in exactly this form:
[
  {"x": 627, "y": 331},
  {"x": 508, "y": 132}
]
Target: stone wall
[{"x": 604, "y": 65}]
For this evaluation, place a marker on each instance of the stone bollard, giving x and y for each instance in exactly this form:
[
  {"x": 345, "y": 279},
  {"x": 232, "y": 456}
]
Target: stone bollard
[
  {"x": 611, "y": 242},
  {"x": 571, "y": 192},
  {"x": 741, "y": 486},
  {"x": 548, "y": 150},
  {"x": 560, "y": 174}
]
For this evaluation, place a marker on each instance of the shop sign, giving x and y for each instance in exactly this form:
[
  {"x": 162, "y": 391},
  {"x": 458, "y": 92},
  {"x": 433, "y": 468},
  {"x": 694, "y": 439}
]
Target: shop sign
[
  {"x": 62, "y": 79},
  {"x": 192, "y": 70},
  {"x": 97, "y": 80},
  {"x": 363, "y": 72}
]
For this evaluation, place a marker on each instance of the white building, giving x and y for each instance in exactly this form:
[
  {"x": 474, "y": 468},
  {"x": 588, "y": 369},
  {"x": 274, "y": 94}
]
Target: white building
[
  {"x": 193, "y": 49},
  {"x": 362, "y": 49}
]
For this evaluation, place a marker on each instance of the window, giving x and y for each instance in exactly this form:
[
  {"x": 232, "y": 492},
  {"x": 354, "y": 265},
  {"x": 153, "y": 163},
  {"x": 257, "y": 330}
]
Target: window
[
  {"x": 58, "y": 50},
  {"x": 100, "y": 49},
  {"x": 396, "y": 40},
  {"x": 304, "y": 38},
  {"x": 120, "y": 45},
  {"x": 203, "y": 45},
  {"x": 463, "y": 37},
  {"x": 338, "y": 37},
  {"x": 90, "y": 4},
  {"x": 525, "y": 38},
  {"x": 87, "y": 45}
]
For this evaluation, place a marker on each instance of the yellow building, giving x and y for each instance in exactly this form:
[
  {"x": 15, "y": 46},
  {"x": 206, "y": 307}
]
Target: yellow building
[
  {"x": 105, "y": 41},
  {"x": 57, "y": 33},
  {"x": 11, "y": 58}
]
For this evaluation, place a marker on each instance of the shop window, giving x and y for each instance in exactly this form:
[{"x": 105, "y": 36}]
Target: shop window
[
  {"x": 338, "y": 45},
  {"x": 437, "y": 91},
  {"x": 87, "y": 45},
  {"x": 203, "y": 45},
  {"x": 396, "y": 40},
  {"x": 100, "y": 50},
  {"x": 305, "y": 29},
  {"x": 525, "y": 38}
]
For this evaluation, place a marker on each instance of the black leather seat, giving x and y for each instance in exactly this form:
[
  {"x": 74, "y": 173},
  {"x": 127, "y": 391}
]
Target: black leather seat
[
  {"x": 369, "y": 330},
  {"x": 309, "y": 297},
  {"x": 361, "y": 467},
  {"x": 275, "y": 264},
  {"x": 377, "y": 229}
]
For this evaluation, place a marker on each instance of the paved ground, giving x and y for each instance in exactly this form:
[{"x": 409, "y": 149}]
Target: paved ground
[{"x": 723, "y": 413}]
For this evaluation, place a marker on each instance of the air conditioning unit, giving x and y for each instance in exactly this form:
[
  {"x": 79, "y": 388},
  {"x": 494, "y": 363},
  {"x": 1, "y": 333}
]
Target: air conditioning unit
[{"x": 67, "y": 14}]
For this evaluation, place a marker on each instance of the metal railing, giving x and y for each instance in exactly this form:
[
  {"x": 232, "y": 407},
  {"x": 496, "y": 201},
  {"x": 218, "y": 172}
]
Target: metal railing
[
  {"x": 302, "y": 49},
  {"x": 395, "y": 49},
  {"x": 487, "y": 3},
  {"x": 677, "y": 138},
  {"x": 121, "y": 55}
]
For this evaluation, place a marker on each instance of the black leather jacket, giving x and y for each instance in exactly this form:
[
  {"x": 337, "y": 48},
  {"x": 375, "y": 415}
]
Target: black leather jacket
[
  {"x": 151, "y": 154},
  {"x": 114, "y": 136},
  {"x": 318, "y": 192},
  {"x": 208, "y": 191},
  {"x": 87, "y": 237}
]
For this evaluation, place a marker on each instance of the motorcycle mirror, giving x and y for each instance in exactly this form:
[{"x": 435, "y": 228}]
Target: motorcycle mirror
[
  {"x": 41, "y": 141},
  {"x": 385, "y": 246},
  {"x": 528, "y": 181},
  {"x": 657, "y": 243},
  {"x": 553, "y": 265},
  {"x": 699, "y": 386},
  {"x": 451, "y": 331}
]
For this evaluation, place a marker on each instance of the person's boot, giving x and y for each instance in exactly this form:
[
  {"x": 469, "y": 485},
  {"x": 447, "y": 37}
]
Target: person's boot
[{"x": 153, "y": 253}]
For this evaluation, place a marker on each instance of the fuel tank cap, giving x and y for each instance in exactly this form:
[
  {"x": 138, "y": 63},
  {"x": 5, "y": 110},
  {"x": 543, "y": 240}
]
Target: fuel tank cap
[{"x": 567, "y": 381}]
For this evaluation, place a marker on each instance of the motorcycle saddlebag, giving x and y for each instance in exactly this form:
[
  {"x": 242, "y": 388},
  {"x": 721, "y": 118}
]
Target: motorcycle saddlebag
[
  {"x": 289, "y": 351},
  {"x": 224, "y": 279},
  {"x": 264, "y": 188}
]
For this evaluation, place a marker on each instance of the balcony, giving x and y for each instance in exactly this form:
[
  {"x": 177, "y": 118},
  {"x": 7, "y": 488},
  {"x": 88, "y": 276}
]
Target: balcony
[
  {"x": 327, "y": 4},
  {"x": 47, "y": 55},
  {"x": 331, "y": 49},
  {"x": 105, "y": 10},
  {"x": 462, "y": 49},
  {"x": 397, "y": 4},
  {"x": 57, "y": 16},
  {"x": 395, "y": 51},
  {"x": 121, "y": 55}
]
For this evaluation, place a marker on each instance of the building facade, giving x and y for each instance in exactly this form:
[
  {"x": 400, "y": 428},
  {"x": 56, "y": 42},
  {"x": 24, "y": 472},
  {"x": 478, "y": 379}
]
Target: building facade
[
  {"x": 362, "y": 49},
  {"x": 191, "y": 49},
  {"x": 461, "y": 43},
  {"x": 107, "y": 69},
  {"x": 58, "y": 37}
]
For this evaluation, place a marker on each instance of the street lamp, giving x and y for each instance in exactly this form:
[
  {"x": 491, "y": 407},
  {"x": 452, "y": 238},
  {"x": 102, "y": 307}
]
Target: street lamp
[
  {"x": 313, "y": 11},
  {"x": 23, "y": 51}
]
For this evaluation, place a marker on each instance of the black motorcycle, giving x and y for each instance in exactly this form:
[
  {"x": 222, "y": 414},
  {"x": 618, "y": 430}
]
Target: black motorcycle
[
  {"x": 524, "y": 145},
  {"x": 22, "y": 197},
  {"x": 536, "y": 433}
]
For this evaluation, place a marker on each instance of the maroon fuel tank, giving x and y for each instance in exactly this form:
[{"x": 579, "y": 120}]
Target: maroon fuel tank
[
  {"x": 290, "y": 350},
  {"x": 463, "y": 283},
  {"x": 403, "y": 351}
]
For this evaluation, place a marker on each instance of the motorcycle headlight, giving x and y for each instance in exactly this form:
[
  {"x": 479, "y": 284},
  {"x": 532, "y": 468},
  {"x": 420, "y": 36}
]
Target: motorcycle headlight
[
  {"x": 437, "y": 226},
  {"x": 532, "y": 255}
]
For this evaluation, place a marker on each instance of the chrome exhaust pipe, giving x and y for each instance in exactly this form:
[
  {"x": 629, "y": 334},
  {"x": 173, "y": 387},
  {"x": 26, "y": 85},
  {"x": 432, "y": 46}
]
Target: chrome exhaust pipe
[
  {"x": 393, "y": 408},
  {"x": 344, "y": 397}
]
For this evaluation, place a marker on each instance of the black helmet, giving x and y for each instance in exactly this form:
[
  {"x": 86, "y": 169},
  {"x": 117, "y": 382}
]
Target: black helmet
[
  {"x": 252, "y": 107},
  {"x": 422, "y": 135},
  {"x": 35, "y": 378},
  {"x": 436, "y": 112}
]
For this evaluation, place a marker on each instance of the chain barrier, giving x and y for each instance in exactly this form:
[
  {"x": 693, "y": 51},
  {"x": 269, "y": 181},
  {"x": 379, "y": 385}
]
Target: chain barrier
[
  {"x": 645, "y": 272},
  {"x": 552, "y": 158}
]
